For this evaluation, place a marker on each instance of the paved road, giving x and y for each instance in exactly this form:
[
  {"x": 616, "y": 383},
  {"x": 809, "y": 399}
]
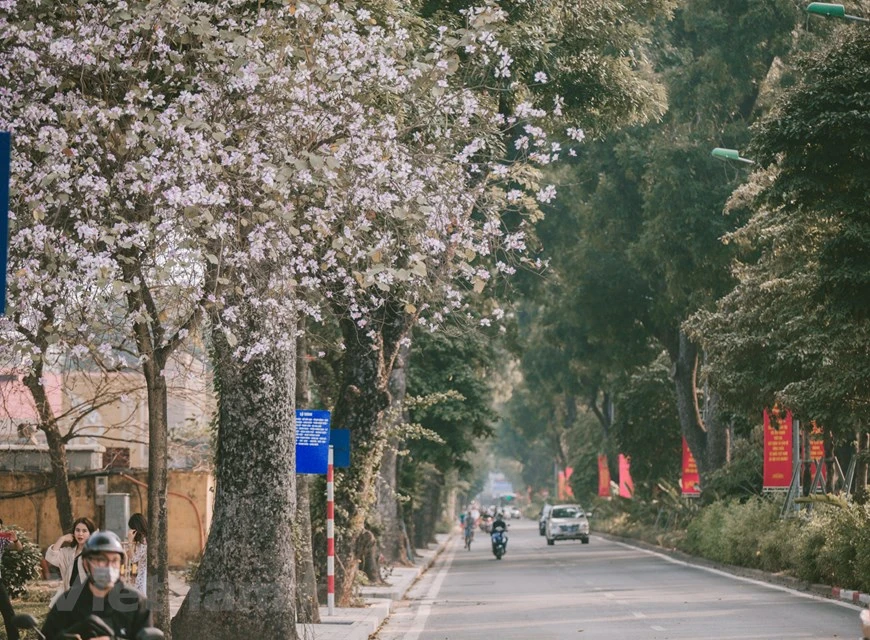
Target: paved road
[{"x": 599, "y": 591}]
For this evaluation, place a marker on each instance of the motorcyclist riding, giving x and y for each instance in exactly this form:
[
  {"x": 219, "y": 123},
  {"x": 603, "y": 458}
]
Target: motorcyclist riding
[
  {"x": 122, "y": 608},
  {"x": 498, "y": 535},
  {"x": 499, "y": 522}
]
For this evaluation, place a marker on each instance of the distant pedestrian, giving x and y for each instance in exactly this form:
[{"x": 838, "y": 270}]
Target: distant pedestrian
[
  {"x": 138, "y": 539},
  {"x": 66, "y": 555},
  {"x": 8, "y": 540}
]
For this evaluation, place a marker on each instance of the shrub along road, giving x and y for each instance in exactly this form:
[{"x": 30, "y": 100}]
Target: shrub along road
[{"x": 605, "y": 591}]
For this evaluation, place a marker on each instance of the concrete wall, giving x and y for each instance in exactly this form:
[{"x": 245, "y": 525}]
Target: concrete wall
[{"x": 190, "y": 511}]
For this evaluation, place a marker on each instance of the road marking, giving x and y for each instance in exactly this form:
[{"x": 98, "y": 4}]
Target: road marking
[
  {"x": 638, "y": 615},
  {"x": 656, "y": 627},
  {"x": 419, "y": 623},
  {"x": 725, "y": 574}
]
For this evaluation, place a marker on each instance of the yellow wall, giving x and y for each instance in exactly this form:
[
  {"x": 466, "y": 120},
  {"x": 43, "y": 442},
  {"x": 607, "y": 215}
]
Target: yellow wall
[{"x": 37, "y": 513}]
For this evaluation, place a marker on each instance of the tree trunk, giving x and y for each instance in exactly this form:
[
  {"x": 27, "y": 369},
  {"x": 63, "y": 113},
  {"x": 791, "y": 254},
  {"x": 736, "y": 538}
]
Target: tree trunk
[
  {"x": 391, "y": 539},
  {"x": 245, "y": 584},
  {"x": 427, "y": 510},
  {"x": 367, "y": 363},
  {"x": 158, "y": 486},
  {"x": 307, "y": 606},
  {"x": 56, "y": 446},
  {"x": 706, "y": 442},
  {"x": 862, "y": 448}
]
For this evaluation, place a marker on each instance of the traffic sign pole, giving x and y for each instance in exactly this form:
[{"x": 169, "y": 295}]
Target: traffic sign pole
[{"x": 330, "y": 537}]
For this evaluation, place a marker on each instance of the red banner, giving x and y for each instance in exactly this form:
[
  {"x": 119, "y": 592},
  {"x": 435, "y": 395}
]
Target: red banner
[
  {"x": 626, "y": 486},
  {"x": 691, "y": 480},
  {"x": 603, "y": 477},
  {"x": 817, "y": 449},
  {"x": 777, "y": 450},
  {"x": 569, "y": 492}
]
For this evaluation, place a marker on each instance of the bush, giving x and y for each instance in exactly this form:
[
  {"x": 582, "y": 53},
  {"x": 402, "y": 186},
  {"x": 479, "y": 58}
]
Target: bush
[
  {"x": 834, "y": 546},
  {"x": 748, "y": 534},
  {"x": 742, "y": 477},
  {"x": 20, "y": 567}
]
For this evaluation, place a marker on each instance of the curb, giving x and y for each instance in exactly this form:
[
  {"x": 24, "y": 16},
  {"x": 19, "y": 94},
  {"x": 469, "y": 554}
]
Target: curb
[{"x": 822, "y": 590}]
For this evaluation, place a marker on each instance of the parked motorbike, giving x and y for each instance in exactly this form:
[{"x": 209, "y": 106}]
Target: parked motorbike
[
  {"x": 91, "y": 627},
  {"x": 865, "y": 624},
  {"x": 499, "y": 543}
]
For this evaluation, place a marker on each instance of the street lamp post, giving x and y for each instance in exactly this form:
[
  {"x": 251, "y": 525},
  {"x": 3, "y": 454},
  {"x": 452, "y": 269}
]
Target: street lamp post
[
  {"x": 830, "y": 10},
  {"x": 729, "y": 154}
]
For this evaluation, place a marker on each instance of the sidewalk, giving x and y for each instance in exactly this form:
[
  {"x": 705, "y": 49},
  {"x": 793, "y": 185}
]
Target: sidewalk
[{"x": 356, "y": 623}]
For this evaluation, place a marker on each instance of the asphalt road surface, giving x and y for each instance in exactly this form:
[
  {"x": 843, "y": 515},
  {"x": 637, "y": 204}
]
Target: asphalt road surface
[{"x": 599, "y": 591}]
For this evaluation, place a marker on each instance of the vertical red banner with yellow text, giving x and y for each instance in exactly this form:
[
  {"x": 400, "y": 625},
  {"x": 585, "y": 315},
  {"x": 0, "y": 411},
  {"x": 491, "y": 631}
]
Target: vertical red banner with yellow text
[
  {"x": 603, "y": 477},
  {"x": 777, "y": 450},
  {"x": 691, "y": 480},
  {"x": 817, "y": 449},
  {"x": 626, "y": 486}
]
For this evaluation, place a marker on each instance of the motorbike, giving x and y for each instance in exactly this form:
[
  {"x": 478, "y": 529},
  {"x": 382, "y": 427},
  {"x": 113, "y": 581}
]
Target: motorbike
[
  {"x": 865, "y": 624},
  {"x": 499, "y": 543},
  {"x": 90, "y": 627},
  {"x": 486, "y": 523}
]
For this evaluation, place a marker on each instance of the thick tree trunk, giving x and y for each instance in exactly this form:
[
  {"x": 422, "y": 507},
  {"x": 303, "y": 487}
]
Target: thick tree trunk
[
  {"x": 307, "y": 606},
  {"x": 158, "y": 486},
  {"x": 245, "y": 584},
  {"x": 706, "y": 442},
  {"x": 367, "y": 363},
  {"x": 361, "y": 400},
  {"x": 56, "y": 447},
  {"x": 391, "y": 538}
]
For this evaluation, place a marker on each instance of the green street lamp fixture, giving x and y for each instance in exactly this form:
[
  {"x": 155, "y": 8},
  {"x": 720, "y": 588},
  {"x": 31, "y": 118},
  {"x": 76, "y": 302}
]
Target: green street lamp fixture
[
  {"x": 833, "y": 11},
  {"x": 729, "y": 154}
]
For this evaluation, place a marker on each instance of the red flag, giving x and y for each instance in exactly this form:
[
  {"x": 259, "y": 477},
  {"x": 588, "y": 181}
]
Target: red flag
[
  {"x": 569, "y": 492},
  {"x": 691, "y": 480},
  {"x": 603, "y": 477},
  {"x": 626, "y": 486}
]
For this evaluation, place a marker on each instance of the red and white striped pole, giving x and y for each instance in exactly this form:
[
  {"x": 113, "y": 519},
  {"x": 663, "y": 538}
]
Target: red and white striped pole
[{"x": 330, "y": 537}]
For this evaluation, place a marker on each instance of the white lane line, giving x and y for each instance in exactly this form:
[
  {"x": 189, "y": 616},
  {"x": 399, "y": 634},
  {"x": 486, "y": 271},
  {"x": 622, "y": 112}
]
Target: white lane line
[
  {"x": 425, "y": 609},
  {"x": 638, "y": 615},
  {"x": 725, "y": 574},
  {"x": 656, "y": 627}
]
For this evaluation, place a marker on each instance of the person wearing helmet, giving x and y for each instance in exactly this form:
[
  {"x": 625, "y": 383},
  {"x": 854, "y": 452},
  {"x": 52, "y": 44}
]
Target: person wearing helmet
[{"x": 104, "y": 595}]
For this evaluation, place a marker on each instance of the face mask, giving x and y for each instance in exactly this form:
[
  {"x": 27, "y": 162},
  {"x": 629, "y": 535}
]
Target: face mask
[{"x": 105, "y": 577}]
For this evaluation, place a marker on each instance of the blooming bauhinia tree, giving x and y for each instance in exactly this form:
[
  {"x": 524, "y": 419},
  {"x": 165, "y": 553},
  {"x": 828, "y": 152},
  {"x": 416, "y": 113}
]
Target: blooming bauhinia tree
[{"x": 242, "y": 164}]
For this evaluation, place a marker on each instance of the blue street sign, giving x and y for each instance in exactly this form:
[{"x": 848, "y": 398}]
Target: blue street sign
[
  {"x": 5, "y": 172},
  {"x": 340, "y": 441},
  {"x": 312, "y": 441}
]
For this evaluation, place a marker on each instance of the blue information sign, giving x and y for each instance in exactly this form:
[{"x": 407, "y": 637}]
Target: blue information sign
[
  {"x": 312, "y": 441},
  {"x": 5, "y": 172},
  {"x": 340, "y": 441}
]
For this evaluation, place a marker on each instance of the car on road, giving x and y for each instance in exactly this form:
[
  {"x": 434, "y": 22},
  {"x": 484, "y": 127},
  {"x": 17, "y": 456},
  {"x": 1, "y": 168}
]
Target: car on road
[
  {"x": 542, "y": 519},
  {"x": 567, "y": 522},
  {"x": 513, "y": 513}
]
